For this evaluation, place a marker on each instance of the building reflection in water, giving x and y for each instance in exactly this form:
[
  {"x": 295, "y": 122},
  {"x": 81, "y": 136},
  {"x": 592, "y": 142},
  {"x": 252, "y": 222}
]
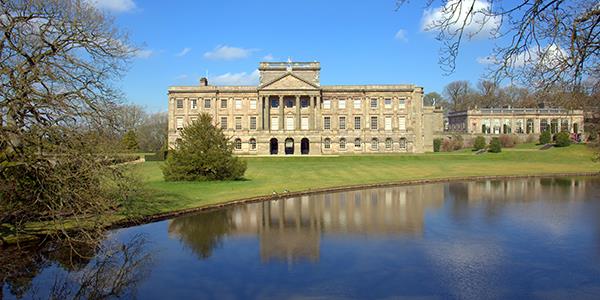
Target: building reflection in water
[{"x": 291, "y": 229}]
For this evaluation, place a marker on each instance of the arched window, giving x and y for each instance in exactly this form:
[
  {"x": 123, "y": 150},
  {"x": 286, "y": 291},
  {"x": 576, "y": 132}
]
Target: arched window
[
  {"x": 402, "y": 143},
  {"x": 252, "y": 144},
  {"x": 374, "y": 144},
  {"x": 238, "y": 144},
  {"x": 564, "y": 125},
  {"x": 327, "y": 143},
  {"x": 388, "y": 143},
  {"x": 543, "y": 125},
  {"x": 554, "y": 125},
  {"x": 357, "y": 143},
  {"x": 529, "y": 126},
  {"x": 343, "y": 144}
]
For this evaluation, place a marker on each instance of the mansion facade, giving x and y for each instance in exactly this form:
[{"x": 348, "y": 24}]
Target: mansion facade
[{"x": 290, "y": 113}]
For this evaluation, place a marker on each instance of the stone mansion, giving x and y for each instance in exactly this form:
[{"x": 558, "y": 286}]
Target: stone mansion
[{"x": 290, "y": 113}]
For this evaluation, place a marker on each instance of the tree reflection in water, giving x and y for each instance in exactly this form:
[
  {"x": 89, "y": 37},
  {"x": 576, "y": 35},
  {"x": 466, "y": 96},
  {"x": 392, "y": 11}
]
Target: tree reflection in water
[{"x": 97, "y": 270}]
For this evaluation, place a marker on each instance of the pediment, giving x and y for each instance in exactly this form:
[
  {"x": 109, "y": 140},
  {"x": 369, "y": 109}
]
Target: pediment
[{"x": 289, "y": 82}]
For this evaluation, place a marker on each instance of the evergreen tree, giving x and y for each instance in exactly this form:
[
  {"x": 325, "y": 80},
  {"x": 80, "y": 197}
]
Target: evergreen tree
[
  {"x": 204, "y": 153},
  {"x": 563, "y": 139},
  {"x": 545, "y": 137},
  {"x": 495, "y": 145},
  {"x": 130, "y": 141},
  {"x": 479, "y": 143}
]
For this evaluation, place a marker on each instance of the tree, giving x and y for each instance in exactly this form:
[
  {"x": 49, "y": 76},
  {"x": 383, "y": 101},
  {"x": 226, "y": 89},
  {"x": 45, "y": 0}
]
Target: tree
[
  {"x": 479, "y": 143},
  {"x": 130, "y": 142},
  {"x": 458, "y": 93},
  {"x": 545, "y": 137},
  {"x": 540, "y": 43},
  {"x": 152, "y": 133},
  {"x": 204, "y": 153},
  {"x": 59, "y": 59},
  {"x": 495, "y": 145},
  {"x": 562, "y": 139}
]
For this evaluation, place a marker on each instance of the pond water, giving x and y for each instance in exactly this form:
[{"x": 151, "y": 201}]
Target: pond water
[{"x": 490, "y": 239}]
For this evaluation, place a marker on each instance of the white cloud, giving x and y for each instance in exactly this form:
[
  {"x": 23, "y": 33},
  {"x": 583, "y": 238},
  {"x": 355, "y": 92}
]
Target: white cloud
[
  {"x": 141, "y": 53},
  {"x": 114, "y": 5},
  {"x": 241, "y": 78},
  {"x": 401, "y": 35},
  {"x": 550, "y": 56},
  {"x": 268, "y": 57},
  {"x": 228, "y": 53},
  {"x": 455, "y": 13},
  {"x": 183, "y": 52}
]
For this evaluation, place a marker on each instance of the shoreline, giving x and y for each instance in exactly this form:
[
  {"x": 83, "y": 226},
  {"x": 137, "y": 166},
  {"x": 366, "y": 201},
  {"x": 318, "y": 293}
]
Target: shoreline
[{"x": 230, "y": 203}]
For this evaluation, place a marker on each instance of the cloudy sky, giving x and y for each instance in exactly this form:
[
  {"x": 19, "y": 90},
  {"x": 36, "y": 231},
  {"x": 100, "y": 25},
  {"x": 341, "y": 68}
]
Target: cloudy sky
[{"x": 357, "y": 42}]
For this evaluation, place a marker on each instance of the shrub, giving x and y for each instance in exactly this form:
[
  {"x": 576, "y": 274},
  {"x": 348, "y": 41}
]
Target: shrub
[
  {"x": 437, "y": 143},
  {"x": 495, "y": 145},
  {"x": 530, "y": 138},
  {"x": 508, "y": 141},
  {"x": 562, "y": 139},
  {"x": 130, "y": 141},
  {"x": 457, "y": 142},
  {"x": 204, "y": 153},
  {"x": 545, "y": 137},
  {"x": 479, "y": 143}
]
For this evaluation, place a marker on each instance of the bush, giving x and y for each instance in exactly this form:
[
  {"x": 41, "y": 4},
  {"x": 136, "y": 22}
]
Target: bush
[
  {"x": 130, "y": 142},
  {"x": 204, "y": 153},
  {"x": 495, "y": 145},
  {"x": 508, "y": 141},
  {"x": 457, "y": 142},
  {"x": 530, "y": 138},
  {"x": 545, "y": 137},
  {"x": 562, "y": 139},
  {"x": 158, "y": 156},
  {"x": 479, "y": 143},
  {"x": 437, "y": 143}
]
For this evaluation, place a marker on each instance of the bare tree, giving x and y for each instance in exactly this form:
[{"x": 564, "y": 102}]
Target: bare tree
[
  {"x": 459, "y": 94},
  {"x": 57, "y": 61},
  {"x": 542, "y": 43}
]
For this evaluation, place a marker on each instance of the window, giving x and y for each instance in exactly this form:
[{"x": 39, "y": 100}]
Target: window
[
  {"x": 543, "y": 125},
  {"x": 342, "y": 104},
  {"x": 388, "y": 123},
  {"x": 357, "y": 123},
  {"x": 402, "y": 143},
  {"x": 554, "y": 125},
  {"x": 304, "y": 123},
  {"x": 357, "y": 143},
  {"x": 519, "y": 126},
  {"x": 373, "y": 102},
  {"x": 206, "y": 103},
  {"x": 529, "y": 128},
  {"x": 506, "y": 129},
  {"x": 289, "y": 123},
  {"x": 289, "y": 103},
  {"x": 342, "y": 144},
  {"x": 374, "y": 123},
  {"x": 387, "y": 102},
  {"x": 193, "y": 119},
  {"x": 374, "y": 144},
  {"x": 238, "y": 103},
  {"x": 402, "y": 104},
  {"x": 238, "y": 123},
  {"x": 223, "y": 103},
  {"x": 496, "y": 126},
  {"x": 274, "y": 123},
  {"x": 304, "y": 102},
  {"x": 223, "y": 122},
  {"x": 252, "y": 144},
  {"x": 402, "y": 123},
  {"x": 326, "y": 104},
  {"x": 486, "y": 126},
  {"x": 238, "y": 144},
  {"x": 326, "y": 122},
  {"x": 274, "y": 103},
  {"x": 356, "y": 103},
  {"x": 194, "y": 103},
  {"x": 179, "y": 125},
  {"x": 327, "y": 143},
  {"x": 342, "y": 122},
  {"x": 179, "y": 103},
  {"x": 388, "y": 143},
  {"x": 252, "y": 122},
  {"x": 564, "y": 125},
  {"x": 252, "y": 103}
]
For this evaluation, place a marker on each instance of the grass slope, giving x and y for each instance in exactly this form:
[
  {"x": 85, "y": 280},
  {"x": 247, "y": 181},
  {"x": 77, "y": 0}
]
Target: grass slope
[{"x": 268, "y": 174}]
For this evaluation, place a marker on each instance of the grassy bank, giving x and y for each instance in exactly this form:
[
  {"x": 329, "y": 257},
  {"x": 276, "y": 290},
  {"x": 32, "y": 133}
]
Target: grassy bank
[{"x": 266, "y": 175}]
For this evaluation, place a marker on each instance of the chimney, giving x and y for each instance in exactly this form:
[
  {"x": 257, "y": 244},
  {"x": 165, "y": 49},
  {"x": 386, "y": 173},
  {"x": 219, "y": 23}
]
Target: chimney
[{"x": 203, "y": 81}]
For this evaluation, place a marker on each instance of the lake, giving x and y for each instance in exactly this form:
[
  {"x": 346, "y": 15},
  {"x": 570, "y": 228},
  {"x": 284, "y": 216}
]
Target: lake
[{"x": 489, "y": 239}]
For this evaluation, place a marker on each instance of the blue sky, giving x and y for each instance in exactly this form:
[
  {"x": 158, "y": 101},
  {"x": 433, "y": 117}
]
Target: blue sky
[{"x": 357, "y": 42}]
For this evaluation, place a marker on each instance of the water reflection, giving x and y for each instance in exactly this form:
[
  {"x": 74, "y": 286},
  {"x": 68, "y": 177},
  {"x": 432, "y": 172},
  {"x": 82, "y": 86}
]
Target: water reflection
[{"x": 291, "y": 229}]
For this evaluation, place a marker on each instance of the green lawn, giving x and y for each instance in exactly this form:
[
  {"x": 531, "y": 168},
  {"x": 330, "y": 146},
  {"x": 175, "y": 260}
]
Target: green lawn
[{"x": 268, "y": 174}]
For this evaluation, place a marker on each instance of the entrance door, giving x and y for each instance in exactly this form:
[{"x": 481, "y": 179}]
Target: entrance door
[
  {"x": 274, "y": 145},
  {"x": 289, "y": 146},
  {"x": 304, "y": 146}
]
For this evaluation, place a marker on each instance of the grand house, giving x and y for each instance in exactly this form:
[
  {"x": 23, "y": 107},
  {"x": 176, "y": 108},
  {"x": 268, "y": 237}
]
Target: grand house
[{"x": 290, "y": 113}]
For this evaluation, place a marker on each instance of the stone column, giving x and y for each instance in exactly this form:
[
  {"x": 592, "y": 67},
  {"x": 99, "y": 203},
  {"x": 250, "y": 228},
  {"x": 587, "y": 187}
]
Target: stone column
[
  {"x": 281, "y": 120},
  {"x": 298, "y": 115},
  {"x": 318, "y": 114}
]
